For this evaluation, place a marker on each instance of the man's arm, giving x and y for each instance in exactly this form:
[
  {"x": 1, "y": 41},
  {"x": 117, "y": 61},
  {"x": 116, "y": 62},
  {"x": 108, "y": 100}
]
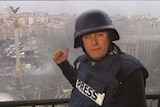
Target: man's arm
[
  {"x": 69, "y": 72},
  {"x": 134, "y": 91},
  {"x": 60, "y": 58}
]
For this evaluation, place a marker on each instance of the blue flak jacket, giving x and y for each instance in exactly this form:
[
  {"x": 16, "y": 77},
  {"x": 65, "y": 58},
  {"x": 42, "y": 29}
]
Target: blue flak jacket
[{"x": 116, "y": 81}]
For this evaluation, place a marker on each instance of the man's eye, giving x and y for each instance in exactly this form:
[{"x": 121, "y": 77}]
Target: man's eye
[
  {"x": 100, "y": 34},
  {"x": 86, "y": 36}
]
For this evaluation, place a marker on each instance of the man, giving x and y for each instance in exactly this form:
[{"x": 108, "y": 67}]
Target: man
[{"x": 105, "y": 77}]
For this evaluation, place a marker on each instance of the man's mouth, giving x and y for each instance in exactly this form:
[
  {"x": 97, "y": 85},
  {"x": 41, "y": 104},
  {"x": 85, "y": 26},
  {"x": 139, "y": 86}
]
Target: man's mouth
[{"x": 96, "y": 49}]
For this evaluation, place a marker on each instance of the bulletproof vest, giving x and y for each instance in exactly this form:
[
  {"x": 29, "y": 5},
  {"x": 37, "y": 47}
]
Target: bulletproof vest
[{"x": 100, "y": 83}]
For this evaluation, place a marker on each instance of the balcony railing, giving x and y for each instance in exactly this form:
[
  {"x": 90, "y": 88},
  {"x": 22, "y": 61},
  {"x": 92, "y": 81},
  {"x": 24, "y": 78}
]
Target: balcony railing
[{"x": 54, "y": 102}]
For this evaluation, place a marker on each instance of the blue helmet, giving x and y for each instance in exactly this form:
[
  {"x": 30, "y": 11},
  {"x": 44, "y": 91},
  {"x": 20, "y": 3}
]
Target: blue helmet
[{"x": 93, "y": 21}]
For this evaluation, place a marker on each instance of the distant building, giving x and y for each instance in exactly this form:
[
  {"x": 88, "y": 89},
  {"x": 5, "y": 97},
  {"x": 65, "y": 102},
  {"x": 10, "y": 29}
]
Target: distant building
[
  {"x": 140, "y": 46},
  {"x": 30, "y": 20}
]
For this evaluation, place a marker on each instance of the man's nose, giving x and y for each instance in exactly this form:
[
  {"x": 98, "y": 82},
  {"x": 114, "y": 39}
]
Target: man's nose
[{"x": 94, "y": 39}]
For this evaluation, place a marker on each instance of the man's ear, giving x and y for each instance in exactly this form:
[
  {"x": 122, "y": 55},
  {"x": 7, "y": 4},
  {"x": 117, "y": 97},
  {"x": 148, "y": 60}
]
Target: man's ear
[{"x": 82, "y": 44}]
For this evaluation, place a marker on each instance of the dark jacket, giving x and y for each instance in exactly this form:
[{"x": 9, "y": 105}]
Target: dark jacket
[{"x": 116, "y": 81}]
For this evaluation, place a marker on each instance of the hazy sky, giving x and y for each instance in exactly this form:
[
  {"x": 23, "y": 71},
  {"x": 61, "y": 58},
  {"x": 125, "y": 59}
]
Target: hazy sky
[{"x": 76, "y": 7}]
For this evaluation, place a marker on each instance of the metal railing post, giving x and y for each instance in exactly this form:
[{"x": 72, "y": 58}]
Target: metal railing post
[
  {"x": 65, "y": 102},
  {"x": 158, "y": 102}
]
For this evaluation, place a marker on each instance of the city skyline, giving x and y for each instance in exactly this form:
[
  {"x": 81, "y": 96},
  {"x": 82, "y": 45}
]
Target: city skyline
[
  {"x": 41, "y": 36},
  {"x": 77, "y": 7}
]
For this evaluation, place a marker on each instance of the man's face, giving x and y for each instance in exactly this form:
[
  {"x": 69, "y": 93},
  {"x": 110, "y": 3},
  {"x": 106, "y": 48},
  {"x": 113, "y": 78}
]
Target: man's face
[{"x": 96, "y": 44}]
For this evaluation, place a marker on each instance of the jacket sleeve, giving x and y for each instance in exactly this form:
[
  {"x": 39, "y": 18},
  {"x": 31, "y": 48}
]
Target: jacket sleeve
[
  {"x": 134, "y": 91},
  {"x": 69, "y": 72}
]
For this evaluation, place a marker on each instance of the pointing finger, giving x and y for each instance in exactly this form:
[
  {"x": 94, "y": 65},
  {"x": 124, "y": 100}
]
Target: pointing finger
[{"x": 67, "y": 51}]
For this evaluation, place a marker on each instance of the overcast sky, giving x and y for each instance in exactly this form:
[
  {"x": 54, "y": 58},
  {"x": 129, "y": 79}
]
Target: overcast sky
[{"x": 76, "y": 7}]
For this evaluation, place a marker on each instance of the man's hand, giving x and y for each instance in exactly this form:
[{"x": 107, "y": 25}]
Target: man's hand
[{"x": 60, "y": 56}]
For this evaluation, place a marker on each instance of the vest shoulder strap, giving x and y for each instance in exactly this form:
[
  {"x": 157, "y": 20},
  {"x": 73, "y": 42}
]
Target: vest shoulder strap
[
  {"x": 82, "y": 58},
  {"x": 129, "y": 64},
  {"x": 132, "y": 63}
]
